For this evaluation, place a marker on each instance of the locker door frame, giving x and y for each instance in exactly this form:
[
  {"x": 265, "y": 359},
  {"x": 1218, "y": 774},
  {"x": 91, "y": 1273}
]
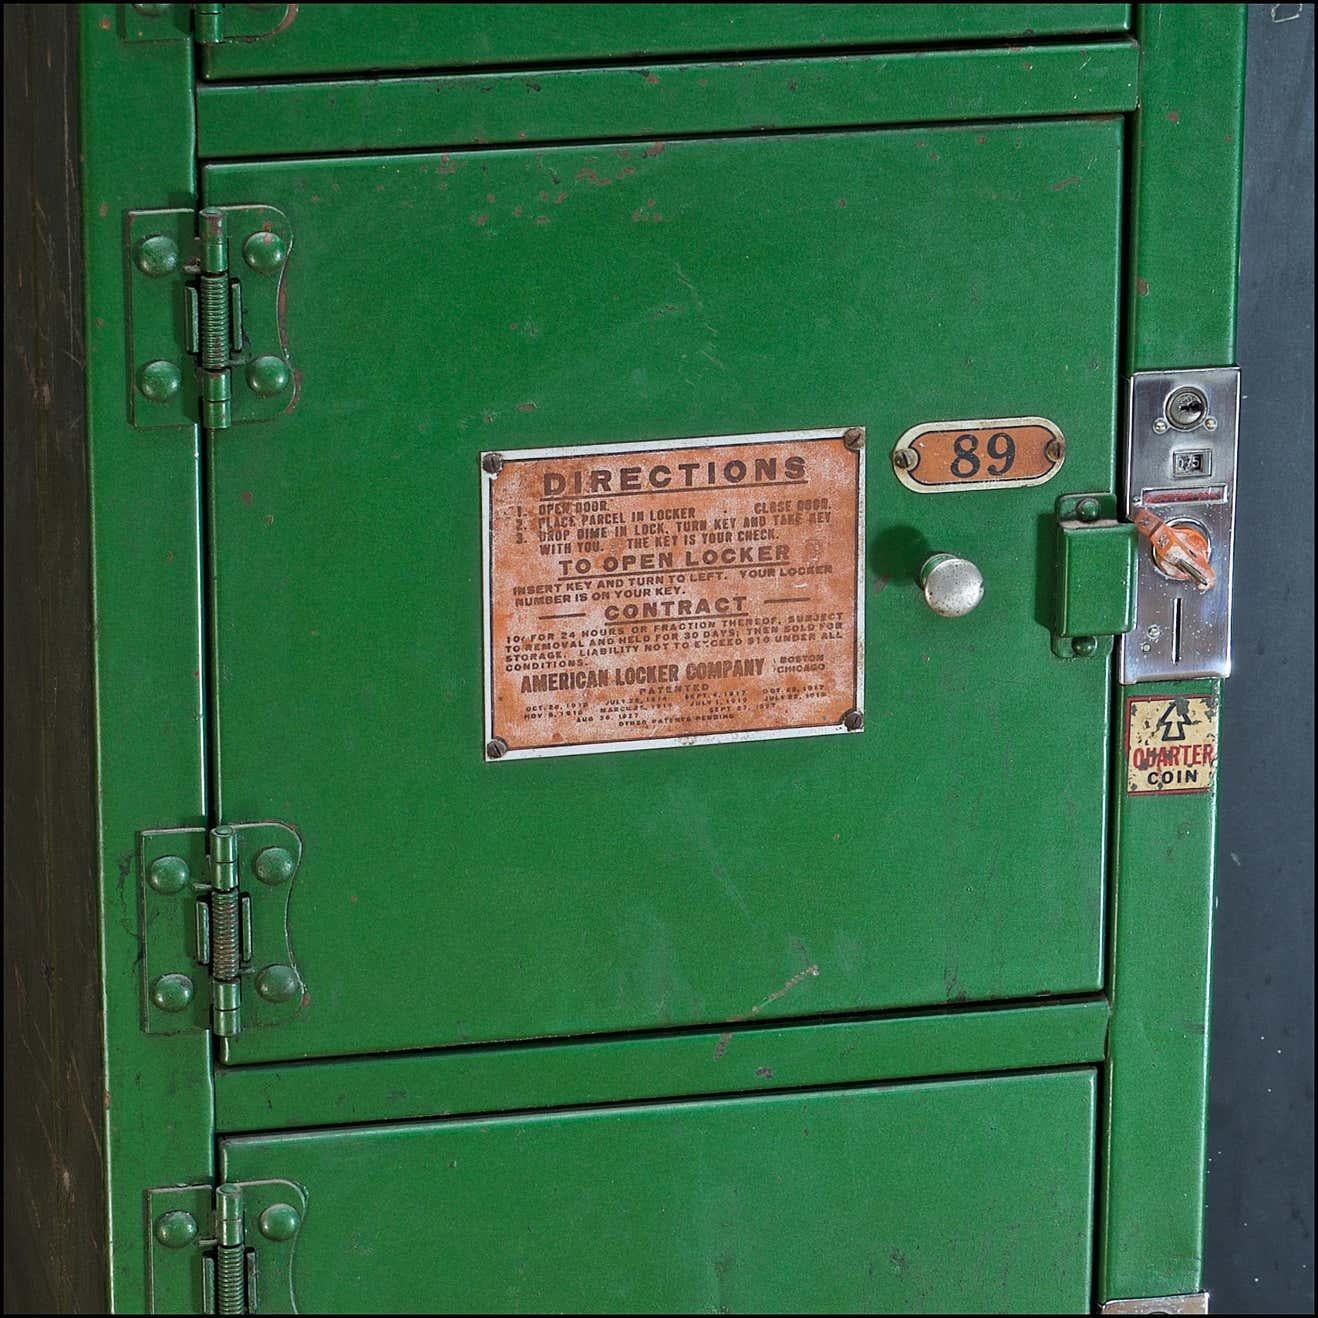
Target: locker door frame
[{"x": 137, "y": 114}]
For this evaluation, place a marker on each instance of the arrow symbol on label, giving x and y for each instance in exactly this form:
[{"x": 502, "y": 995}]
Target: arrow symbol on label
[{"x": 1175, "y": 719}]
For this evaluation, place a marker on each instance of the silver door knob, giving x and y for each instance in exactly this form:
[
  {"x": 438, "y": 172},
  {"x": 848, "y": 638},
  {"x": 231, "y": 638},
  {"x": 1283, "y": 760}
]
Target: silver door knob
[{"x": 952, "y": 586}]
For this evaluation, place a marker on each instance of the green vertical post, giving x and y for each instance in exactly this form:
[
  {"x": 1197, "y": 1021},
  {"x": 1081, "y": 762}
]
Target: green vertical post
[
  {"x": 1182, "y": 277},
  {"x": 137, "y": 129}
]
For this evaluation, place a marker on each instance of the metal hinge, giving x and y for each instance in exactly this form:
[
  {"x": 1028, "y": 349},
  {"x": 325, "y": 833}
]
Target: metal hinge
[
  {"x": 208, "y": 25},
  {"x": 198, "y": 914},
  {"x": 223, "y": 1240},
  {"x": 208, "y": 343},
  {"x": 1094, "y": 594}
]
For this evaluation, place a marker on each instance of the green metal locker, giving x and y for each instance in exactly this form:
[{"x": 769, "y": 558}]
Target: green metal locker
[{"x": 546, "y": 861}]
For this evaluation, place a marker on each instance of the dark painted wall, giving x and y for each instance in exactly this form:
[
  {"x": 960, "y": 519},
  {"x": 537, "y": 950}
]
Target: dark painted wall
[
  {"x": 54, "y": 1183},
  {"x": 1260, "y": 1130}
]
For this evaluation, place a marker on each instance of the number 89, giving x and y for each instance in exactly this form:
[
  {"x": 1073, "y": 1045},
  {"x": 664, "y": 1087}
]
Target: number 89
[{"x": 1001, "y": 450}]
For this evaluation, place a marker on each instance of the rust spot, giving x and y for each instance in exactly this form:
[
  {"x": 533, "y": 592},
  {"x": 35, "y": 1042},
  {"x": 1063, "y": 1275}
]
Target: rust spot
[
  {"x": 526, "y": 407},
  {"x": 269, "y": 519},
  {"x": 104, "y": 25},
  {"x": 651, "y": 79},
  {"x": 842, "y": 203},
  {"x": 589, "y": 176},
  {"x": 542, "y": 219},
  {"x": 764, "y": 1073},
  {"x": 980, "y": 139},
  {"x": 103, "y": 209},
  {"x": 481, "y": 219},
  {"x": 106, "y": 1100},
  {"x": 1071, "y": 181},
  {"x": 722, "y": 1046},
  {"x": 653, "y": 149},
  {"x": 1142, "y": 287},
  {"x": 352, "y": 897},
  {"x": 248, "y": 496},
  {"x": 1173, "y": 116},
  {"x": 169, "y": 557},
  {"x": 287, "y": 22}
]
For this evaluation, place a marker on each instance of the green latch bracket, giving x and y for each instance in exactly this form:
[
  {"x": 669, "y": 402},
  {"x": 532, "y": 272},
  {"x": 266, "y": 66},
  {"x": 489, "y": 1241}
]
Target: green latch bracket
[
  {"x": 1094, "y": 596},
  {"x": 208, "y": 24},
  {"x": 207, "y": 338},
  {"x": 214, "y": 917},
  {"x": 212, "y": 1245}
]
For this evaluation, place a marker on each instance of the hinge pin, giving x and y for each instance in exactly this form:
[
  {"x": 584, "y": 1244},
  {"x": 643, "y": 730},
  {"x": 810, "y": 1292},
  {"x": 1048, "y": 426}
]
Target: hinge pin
[
  {"x": 208, "y": 24},
  {"x": 215, "y": 314},
  {"x": 230, "y": 1253},
  {"x": 225, "y": 933},
  {"x": 216, "y": 391}
]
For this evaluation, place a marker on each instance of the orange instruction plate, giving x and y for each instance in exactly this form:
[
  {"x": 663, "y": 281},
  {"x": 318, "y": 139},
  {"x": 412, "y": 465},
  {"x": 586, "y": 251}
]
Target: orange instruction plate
[{"x": 660, "y": 594}]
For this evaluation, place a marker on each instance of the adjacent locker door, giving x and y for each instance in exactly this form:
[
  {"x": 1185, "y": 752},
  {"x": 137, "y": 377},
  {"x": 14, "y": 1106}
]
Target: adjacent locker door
[
  {"x": 286, "y": 40},
  {"x": 972, "y": 1196},
  {"x": 442, "y": 306}
]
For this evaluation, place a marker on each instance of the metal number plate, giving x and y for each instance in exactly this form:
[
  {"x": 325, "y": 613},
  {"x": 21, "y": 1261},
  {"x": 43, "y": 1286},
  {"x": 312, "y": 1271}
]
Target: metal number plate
[{"x": 940, "y": 456}]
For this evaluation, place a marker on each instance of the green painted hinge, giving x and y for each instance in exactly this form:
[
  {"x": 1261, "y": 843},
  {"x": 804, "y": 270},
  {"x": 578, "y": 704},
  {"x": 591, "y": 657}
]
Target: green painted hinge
[
  {"x": 208, "y": 24},
  {"x": 204, "y": 919},
  {"x": 1094, "y": 595},
  {"x": 224, "y": 1249},
  {"x": 207, "y": 337}
]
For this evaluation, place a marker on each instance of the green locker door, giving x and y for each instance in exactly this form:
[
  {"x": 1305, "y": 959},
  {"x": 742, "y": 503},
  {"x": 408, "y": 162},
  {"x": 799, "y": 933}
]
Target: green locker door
[
  {"x": 438, "y": 306},
  {"x": 970, "y": 1196},
  {"x": 329, "y": 38}
]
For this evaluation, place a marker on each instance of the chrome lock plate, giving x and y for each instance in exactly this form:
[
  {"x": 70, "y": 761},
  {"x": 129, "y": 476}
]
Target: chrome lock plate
[{"x": 1181, "y": 430}]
